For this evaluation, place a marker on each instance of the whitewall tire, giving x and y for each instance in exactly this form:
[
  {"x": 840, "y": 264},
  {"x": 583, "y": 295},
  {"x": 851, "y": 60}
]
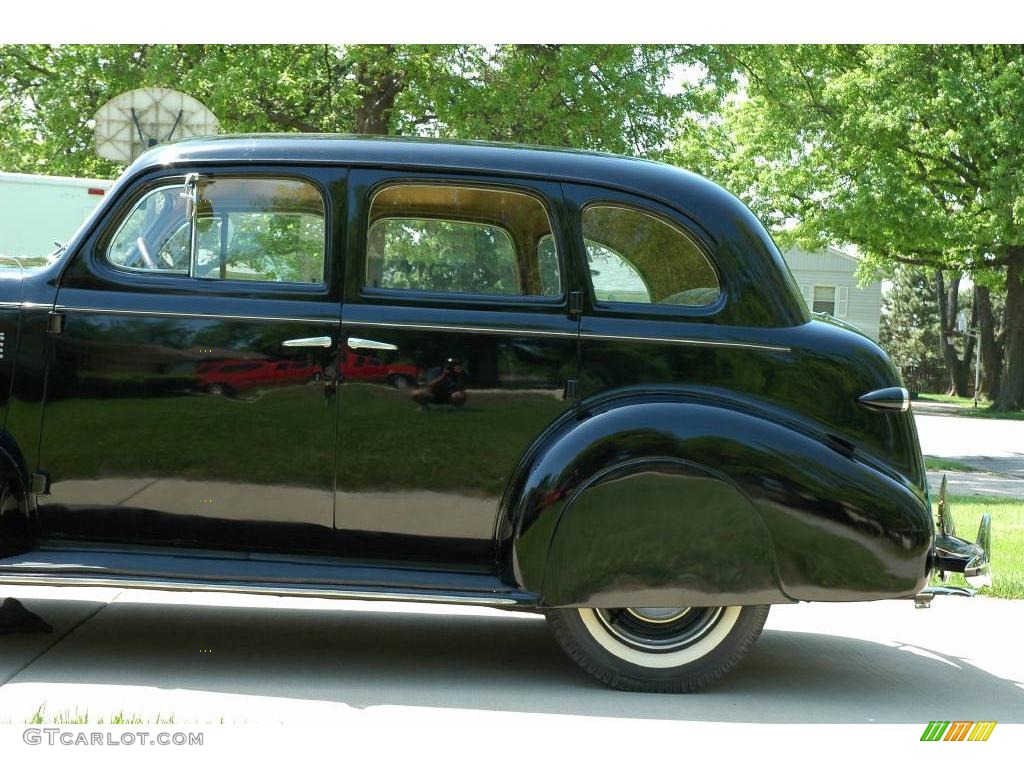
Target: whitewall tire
[{"x": 664, "y": 650}]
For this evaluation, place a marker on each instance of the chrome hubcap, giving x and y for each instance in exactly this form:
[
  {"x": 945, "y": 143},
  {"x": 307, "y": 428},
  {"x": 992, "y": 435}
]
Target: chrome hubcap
[
  {"x": 658, "y": 615},
  {"x": 660, "y": 629}
]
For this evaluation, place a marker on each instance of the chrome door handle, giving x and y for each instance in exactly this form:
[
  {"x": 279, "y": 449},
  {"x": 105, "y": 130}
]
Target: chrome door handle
[
  {"x": 357, "y": 343},
  {"x": 311, "y": 341}
]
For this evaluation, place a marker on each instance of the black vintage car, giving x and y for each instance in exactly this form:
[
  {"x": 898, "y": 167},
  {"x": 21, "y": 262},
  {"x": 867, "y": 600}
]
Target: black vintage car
[{"x": 616, "y": 407}]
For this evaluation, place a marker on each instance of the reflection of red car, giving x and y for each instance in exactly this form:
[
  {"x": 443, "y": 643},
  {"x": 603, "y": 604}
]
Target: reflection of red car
[
  {"x": 372, "y": 368},
  {"x": 299, "y": 371},
  {"x": 225, "y": 377},
  {"x": 222, "y": 377}
]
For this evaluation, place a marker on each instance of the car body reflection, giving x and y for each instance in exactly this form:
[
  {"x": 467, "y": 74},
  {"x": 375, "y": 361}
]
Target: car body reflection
[{"x": 234, "y": 376}]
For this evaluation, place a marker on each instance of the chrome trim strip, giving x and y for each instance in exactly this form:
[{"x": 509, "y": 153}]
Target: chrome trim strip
[
  {"x": 567, "y": 334},
  {"x": 458, "y": 328},
  {"x": 689, "y": 342},
  {"x": 24, "y": 305},
  {"x": 200, "y": 315},
  {"x": 284, "y": 591}
]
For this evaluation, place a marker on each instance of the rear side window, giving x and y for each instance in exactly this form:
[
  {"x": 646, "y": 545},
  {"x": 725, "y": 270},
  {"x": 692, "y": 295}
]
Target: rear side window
[
  {"x": 641, "y": 258},
  {"x": 443, "y": 238},
  {"x": 269, "y": 230}
]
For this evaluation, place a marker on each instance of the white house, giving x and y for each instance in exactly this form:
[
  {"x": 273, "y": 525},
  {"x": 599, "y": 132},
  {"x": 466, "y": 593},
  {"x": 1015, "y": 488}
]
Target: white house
[{"x": 828, "y": 282}]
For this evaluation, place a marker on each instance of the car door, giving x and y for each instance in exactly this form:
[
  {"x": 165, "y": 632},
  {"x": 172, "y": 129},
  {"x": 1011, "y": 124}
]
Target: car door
[
  {"x": 651, "y": 295},
  {"x": 169, "y": 417},
  {"x": 459, "y": 287}
]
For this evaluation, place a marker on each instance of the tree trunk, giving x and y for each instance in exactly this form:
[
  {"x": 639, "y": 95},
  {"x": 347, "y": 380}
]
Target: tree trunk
[
  {"x": 378, "y": 86},
  {"x": 1011, "y": 389},
  {"x": 949, "y": 298},
  {"x": 991, "y": 349}
]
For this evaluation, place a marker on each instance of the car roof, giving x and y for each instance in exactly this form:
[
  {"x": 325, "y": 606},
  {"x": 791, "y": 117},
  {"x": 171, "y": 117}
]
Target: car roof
[
  {"x": 667, "y": 182},
  {"x": 763, "y": 292}
]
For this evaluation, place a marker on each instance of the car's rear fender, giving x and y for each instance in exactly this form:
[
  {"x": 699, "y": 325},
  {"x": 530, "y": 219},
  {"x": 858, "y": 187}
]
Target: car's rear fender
[{"x": 664, "y": 500}]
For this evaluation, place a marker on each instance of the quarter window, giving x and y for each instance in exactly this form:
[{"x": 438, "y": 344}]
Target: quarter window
[
  {"x": 270, "y": 230},
  {"x": 640, "y": 258},
  {"x": 454, "y": 239}
]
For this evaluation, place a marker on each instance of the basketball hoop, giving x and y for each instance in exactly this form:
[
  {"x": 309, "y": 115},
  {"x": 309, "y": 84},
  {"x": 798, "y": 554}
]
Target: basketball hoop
[{"x": 132, "y": 122}]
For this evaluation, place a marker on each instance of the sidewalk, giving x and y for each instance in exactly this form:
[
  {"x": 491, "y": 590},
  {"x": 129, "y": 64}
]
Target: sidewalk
[
  {"x": 977, "y": 484},
  {"x": 995, "y": 447}
]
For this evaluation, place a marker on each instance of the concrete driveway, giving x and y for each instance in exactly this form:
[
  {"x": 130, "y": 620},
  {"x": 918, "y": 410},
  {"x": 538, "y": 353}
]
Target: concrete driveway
[
  {"x": 995, "y": 447},
  {"x": 207, "y": 658}
]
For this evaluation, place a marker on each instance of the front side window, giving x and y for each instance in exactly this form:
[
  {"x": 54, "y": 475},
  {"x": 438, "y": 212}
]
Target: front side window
[
  {"x": 155, "y": 237},
  {"x": 442, "y": 238},
  {"x": 641, "y": 258},
  {"x": 270, "y": 230}
]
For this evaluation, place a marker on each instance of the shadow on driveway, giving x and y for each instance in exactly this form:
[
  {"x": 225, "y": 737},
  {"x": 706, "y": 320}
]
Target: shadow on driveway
[{"x": 365, "y": 658}]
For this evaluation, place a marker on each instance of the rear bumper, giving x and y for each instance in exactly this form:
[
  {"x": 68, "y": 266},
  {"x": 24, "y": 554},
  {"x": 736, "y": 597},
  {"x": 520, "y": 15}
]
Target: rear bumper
[{"x": 951, "y": 554}]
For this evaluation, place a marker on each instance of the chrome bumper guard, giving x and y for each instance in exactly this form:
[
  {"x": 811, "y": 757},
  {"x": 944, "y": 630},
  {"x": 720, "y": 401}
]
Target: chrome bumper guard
[{"x": 951, "y": 554}]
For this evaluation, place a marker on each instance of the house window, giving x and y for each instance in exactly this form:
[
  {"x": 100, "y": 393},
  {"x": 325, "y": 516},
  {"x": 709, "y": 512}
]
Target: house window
[{"x": 824, "y": 299}]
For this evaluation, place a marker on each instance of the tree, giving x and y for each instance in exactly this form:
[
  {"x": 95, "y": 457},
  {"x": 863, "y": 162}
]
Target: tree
[
  {"x": 910, "y": 329},
  {"x": 912, "y": 153},
  {"x": 609, "y": 97},
  {"x": 991, "y": 303},
  {"x": 949, "y": 306}
]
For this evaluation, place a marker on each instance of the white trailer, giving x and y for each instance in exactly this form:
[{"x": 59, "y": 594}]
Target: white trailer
[{"x": 36, "y": 211}]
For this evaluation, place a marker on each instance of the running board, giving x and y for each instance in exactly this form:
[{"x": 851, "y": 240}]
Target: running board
[{"x": 245, "y": 573}]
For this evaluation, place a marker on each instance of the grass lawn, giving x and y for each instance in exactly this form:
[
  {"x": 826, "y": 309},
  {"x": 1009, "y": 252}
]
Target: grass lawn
[
  {"x": 1007, "y": 541},
  {"x": 42, "y": 717},
  {"x": 947, "y": 465},
  {"x": 983, "y": 411}
]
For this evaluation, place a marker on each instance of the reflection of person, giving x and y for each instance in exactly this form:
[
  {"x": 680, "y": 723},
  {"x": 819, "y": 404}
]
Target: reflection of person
[{"x": 449, "y": 386}]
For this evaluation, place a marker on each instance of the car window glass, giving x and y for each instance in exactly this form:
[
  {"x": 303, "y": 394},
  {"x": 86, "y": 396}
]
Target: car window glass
[
  {"x": 547, "y": 265},
  {"x": 454, "y": 239},
  {"x": 638, "y": 257},
  {"x": 614, "y": 278},
  {"x": 155, "y": 237},
  {"x": 246, "y": 229},
  {"x": 260, "y": 229}
]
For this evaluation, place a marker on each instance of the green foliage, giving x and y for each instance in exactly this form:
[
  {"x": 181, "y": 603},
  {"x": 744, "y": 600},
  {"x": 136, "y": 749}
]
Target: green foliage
[
  {"x": 1007, "y": 537},
  {"x": 903, "y": 150},
  {"x": 912, "y": 153},
  {"x": 265, "y": 245},
  {"x": 608, "y": 97},
  {"x": 910, "y": 330},
  {"x": 939, "y": 463},
  {"x": 437, "y": 255}
]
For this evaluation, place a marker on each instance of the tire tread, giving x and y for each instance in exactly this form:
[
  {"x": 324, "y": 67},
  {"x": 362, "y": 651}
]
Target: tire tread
[{"x": 684, "y": 682}]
